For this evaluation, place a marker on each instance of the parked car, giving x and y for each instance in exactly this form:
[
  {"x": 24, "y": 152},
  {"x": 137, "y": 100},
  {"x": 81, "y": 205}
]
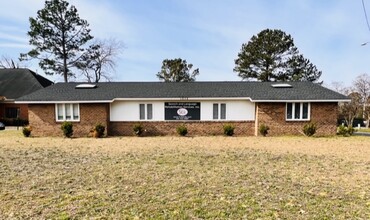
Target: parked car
[{"x": 2, "y": 126}]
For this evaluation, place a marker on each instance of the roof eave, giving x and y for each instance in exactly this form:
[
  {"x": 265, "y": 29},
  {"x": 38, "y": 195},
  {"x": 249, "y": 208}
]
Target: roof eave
[
  {"x": 307, "y": 100},
  {"x": 183, "y": 99},
  {"x": 57, "y": 102}
]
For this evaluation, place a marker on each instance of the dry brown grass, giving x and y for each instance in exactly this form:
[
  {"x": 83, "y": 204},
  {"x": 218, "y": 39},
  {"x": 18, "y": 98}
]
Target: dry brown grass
[{"x": 184, "y": 177}]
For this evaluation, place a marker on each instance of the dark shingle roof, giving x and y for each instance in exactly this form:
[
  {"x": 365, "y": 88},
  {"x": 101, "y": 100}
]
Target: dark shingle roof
[
  {"x": 257, "y": 91},
  {"x": 15, "y": 83}
]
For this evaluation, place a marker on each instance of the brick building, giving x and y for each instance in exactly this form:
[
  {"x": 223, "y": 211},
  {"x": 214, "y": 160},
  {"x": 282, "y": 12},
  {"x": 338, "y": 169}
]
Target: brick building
[
  {"x": 204, "y": 107},
  {"x": 15, "y": 83}
]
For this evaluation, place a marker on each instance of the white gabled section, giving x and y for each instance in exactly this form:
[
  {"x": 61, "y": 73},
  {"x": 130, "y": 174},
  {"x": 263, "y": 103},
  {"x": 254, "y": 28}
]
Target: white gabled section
[{"x": 128, "y": 110}]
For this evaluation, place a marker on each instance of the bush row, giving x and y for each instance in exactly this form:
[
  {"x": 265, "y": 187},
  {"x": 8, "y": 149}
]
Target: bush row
[
  {"x": 182, "y": 130},
  {"x": 309, "y": 130},
  {"x": 67, "y": 129}
]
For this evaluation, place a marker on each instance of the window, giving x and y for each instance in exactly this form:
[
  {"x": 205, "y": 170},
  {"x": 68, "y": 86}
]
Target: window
[
  {"x": 223, "y": 111},
  {"x": 12, "y": 112},
  {"x": 142, "y": 111},
  {"x": 215, "y": 111},
  {"x": 67, "y": 112},
  {"x": 219, "y": 111},
  {"x": 298, "y": 111},
  {"x": 149, "y": 111}
]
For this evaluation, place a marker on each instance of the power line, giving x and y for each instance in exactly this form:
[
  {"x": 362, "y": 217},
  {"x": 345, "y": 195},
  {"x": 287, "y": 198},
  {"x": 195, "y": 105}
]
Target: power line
[{"x": 367, "y": 20}]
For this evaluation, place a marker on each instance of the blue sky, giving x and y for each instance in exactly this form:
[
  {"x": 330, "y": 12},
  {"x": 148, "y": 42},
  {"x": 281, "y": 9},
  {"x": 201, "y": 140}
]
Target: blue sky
[{"x": 208, "y": 34}]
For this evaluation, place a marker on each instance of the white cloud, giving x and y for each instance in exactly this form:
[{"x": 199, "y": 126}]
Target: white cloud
[
  {"x": 13, "y": 38},
  {"x": 106, "y": 21},
  {"x": 14, "y": 45}
]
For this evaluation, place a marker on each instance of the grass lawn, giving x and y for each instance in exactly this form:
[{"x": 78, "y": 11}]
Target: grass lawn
[
  {"x": 184, "y": 177},
  {"x": 364, "y": 130}
]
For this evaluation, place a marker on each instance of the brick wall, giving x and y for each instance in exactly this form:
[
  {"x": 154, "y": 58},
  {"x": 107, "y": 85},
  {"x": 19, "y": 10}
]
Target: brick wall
[
  {"x": 43, "y": 122},
  {"x": 2, "y": 110},
  {"x": 22, "y": 107},
  {"x": 197, "y": 128},
  {"x": 273, "y": 115}
]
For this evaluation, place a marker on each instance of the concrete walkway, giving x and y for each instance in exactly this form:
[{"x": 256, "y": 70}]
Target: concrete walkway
[
  {"x": 359, "y": 133},
  {"x": 13, "y": 128}
]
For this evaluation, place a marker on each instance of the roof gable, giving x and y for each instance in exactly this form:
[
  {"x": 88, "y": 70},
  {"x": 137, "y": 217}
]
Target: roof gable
[{"x": 15, "y": 83}]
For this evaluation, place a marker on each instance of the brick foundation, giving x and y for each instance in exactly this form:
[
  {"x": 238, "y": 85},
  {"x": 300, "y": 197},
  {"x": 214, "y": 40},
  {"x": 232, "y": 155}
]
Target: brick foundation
[
  {"x": 273, "y": 115},
  {"x": 197, "y": 128}
]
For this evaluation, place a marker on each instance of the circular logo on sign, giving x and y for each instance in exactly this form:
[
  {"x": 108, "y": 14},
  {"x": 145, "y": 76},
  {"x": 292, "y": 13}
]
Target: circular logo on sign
[{"x": 182, "y": 111}]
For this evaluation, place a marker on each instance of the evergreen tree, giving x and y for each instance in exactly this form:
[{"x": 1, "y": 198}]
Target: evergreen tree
[
  {"x": 177, "y": 70},
  {"x": 272, "y": 56},
  {"x": 58, "y": 35}
]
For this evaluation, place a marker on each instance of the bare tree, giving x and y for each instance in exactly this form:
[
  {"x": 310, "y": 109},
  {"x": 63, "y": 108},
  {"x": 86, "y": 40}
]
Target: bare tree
[
  {"x": 99, "y": 60},
  {"x": 348, "y": 110},
  {"x": 339, "y": 87},
  {"x": 9, "y": 63},
  {"x": 362, "y": 87}
]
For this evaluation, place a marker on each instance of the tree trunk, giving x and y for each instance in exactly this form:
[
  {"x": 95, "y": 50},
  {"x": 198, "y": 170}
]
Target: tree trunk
[{"x": 65, "y": 70}]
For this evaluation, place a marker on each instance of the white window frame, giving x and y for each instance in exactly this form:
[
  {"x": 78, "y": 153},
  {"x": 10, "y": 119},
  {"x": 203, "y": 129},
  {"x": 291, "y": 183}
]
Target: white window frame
[
  {"x": 219, "y": 111},
  {"x": 300, "y": 111},
  {"x": 64, "y": 112},
  {"x": 146, "y": 113}
]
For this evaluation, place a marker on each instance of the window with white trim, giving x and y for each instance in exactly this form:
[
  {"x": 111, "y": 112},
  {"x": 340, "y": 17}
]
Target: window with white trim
[
  {"x": 67, "y": 112},
  {"x": 146, "y": 111},
  {"x": 219, "y": 111},
  {"x": 298, "y": 111}
]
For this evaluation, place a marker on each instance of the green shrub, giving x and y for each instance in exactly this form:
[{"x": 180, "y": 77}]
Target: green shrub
[
  {"x": 26, "y": 131},
  {"x": 229, "y": 130},
  {"x": 309, "y": 129},
  {"x": 138, "y": 129},
  {"x": 182, "y": 130},
  {"x": 67, "y": 128},
  {"x": 351, "y": 130},
  {"x": 99, "y": 130},
  {"x": 263, "y": 129},
  {"x": 345, "y": 131}
]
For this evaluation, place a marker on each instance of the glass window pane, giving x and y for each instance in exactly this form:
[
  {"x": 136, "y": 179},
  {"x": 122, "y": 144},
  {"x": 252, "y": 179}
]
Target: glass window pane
[
  {"x": 305, "y": 111},
  {"x": 215, "y": 111},
  {"x": 297, "y": 111},
  {"x": 223, "y": 111},
  {"x": 289, "y": 111},
  {"x": 12, "y": 112},
  {"x": 75, "y": 112},
  {"x": 149, "y": 114},
  {"x": 68, "y": 111},
  {"x": 142, "y": 111},
  {"x": 60, "y": 111}
]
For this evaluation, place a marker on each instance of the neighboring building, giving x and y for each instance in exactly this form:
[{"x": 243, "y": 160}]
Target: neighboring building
[
  {"x": 204, "y": 107},
  {"x": 15, "y": 83}
]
